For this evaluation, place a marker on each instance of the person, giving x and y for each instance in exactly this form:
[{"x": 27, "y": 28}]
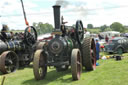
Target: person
[
  {"x": 12, "y": 34},
  {"x": 4, "y": 30},
  {"x": 97, "y": 51},
  {"x": 106, "y": 38}
]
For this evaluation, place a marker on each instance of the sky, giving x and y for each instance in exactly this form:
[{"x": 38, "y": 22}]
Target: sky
[{"x": 96, "y": 12}]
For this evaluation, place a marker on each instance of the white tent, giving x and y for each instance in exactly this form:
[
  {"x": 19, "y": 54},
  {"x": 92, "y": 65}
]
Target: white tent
[{"x": 110, "y": 34}]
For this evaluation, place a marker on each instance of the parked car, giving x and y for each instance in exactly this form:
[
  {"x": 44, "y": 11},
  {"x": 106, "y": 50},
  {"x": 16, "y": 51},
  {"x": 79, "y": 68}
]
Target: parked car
[{"x": 117, "y": 45}]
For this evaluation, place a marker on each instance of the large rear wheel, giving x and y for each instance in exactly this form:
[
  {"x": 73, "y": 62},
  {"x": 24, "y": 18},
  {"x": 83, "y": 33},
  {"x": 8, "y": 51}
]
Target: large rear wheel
[
  {"x": 76, "y": 64},
  {"x": 39, "y": 65},
  {"x": 9, "y": 62},
  {"x": 89, "y": 54}
]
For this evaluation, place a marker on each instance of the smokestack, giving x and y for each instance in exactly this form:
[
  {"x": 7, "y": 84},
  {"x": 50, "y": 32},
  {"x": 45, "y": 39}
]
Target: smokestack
[{"x": 56, "y": 9}]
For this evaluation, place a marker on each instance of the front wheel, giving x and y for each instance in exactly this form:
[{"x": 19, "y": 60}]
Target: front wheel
[
  {"x": 76, "y": 64},
  {"x": 39, "y": 65}
]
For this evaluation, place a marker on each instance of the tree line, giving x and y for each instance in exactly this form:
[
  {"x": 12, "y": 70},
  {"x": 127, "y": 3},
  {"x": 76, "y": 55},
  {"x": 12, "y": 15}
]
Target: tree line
[
  {"x": 115, "y": 26},
  {"x": 43, "y": 28}
]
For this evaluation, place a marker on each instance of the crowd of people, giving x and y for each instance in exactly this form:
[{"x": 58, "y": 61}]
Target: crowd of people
[{"x": 6, "y": 35}]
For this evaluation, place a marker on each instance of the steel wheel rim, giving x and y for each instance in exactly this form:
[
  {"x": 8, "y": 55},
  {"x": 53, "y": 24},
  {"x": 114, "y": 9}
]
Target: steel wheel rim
[
  {"x": 42, "y": 67},
  {"x": 93, "y": 54},
  {"x": 9, "y": 62},
  {"x": 76, "y": 64},
  {"x": 79, "y": 67},
  {"x": 39, "y": 65}
]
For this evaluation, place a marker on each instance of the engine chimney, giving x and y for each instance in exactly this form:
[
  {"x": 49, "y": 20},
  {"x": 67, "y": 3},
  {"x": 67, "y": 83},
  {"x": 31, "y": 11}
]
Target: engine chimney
[{"x": 56, "y": 9}]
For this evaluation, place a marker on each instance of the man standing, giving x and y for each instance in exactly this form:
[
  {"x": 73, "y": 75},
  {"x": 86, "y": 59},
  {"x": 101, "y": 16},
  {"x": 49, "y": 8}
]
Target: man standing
[{"x": 97, "y": 51}]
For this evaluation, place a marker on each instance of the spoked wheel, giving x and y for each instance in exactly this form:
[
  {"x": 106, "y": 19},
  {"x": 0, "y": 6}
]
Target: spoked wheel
[
  {"x": 89, "y": 54},
  {"x": 9, "y": 62},
  {"x": 76, "y": 64},
  {"x": 39, "y": 65},
  {"x": 30, "y": 35}
]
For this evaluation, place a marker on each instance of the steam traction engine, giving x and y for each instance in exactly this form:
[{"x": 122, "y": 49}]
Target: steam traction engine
[
  {"x": 16, "y": 51},
  {"x": 67, "y": 47}
]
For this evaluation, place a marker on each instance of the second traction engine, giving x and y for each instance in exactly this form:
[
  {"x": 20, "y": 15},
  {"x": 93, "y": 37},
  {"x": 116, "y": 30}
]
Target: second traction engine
[{"x": 16, "y": 50}]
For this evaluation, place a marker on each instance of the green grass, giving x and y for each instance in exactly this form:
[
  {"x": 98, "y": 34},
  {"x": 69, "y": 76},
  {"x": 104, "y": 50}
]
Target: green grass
[
  {"x": 14, "y": 31},
  {"x": 93, "y": 30},
  {"x": 110, "y": 72}
]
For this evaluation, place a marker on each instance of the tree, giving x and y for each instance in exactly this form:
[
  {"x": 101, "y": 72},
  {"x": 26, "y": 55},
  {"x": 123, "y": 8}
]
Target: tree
[
  {"x": 90, "y": 26},
  {"x": 43, "y": 28},
  {"x": 74, "y": 25},
  {"x": 116, "y": 26},
  {"x": 102, "y": 28},
  {"x": 108, "y": 29}
]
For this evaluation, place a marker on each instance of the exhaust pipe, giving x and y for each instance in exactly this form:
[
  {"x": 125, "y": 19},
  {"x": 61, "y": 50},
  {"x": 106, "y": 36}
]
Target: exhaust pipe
[{"x": 56, "y": 9}]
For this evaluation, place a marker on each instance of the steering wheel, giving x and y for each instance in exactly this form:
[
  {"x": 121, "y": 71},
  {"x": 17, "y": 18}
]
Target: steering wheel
[
  {"x": 30, "y": 37},
  {"x": 79, "y": 30}
]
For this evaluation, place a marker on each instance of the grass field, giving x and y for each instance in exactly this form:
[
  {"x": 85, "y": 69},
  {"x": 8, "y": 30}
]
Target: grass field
[
  {"x": 94, "y": 30},
  {"x": 110, "y": 72},
  {"x": 14, "y": 31}
]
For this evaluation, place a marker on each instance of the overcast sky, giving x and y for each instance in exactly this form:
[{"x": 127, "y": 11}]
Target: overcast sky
[{"x": 96, "y": 12}]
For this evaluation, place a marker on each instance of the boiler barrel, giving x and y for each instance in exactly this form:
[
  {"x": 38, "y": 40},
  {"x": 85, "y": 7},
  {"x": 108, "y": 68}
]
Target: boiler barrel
[
  {"x": 11, "y": 45},
  {"x": 3, "y": 46}
]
